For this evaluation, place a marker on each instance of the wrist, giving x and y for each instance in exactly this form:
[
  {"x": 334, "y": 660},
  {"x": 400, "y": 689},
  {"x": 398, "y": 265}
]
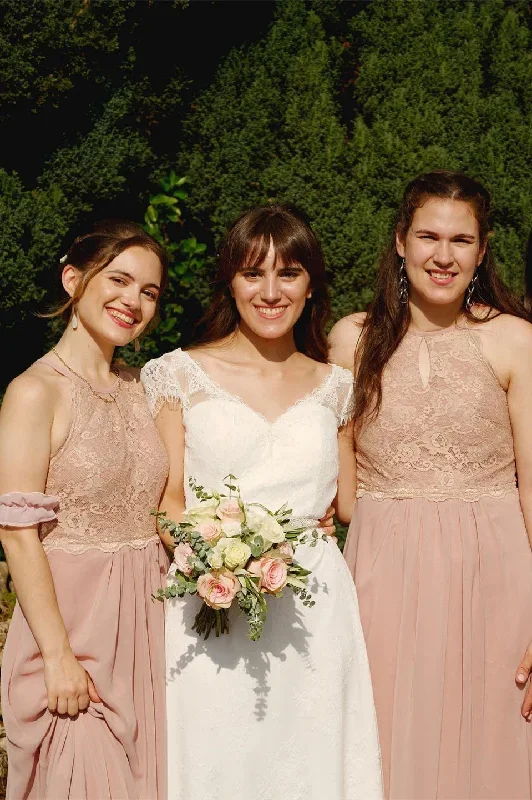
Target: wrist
[{"x": 55, "y": 651}]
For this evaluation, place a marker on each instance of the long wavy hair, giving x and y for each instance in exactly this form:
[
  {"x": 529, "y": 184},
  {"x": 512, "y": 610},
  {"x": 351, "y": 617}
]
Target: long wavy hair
[
  {"x": 387, "y": 319},
  {"x": 246, "y": 245},
  {"x": 93, "y": 251}
]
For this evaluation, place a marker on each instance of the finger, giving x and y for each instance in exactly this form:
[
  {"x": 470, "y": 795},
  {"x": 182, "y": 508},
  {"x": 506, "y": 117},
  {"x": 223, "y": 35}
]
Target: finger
[
  {"x": 52, "y": 703},
  {"x": 330, "y": 530},
  {"x": 326, "y": 522},
  {"x": 93, "y": 694},
  {"x": 524, "y": 668},
  {"x": 72, "y": 707},
  {"x": 526, "y": 708},
  {"x": 83, "y": 701},
  {"x": 62, "y": 705}
]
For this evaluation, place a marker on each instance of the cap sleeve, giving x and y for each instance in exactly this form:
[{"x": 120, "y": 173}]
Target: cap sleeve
[
  {"x": 161, "y": 383},
  {"x": 346, "y": 399}
]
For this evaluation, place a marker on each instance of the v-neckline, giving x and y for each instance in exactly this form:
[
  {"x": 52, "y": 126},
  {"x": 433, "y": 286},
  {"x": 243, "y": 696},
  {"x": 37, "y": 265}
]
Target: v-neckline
[{"x": 240, "y": 400}]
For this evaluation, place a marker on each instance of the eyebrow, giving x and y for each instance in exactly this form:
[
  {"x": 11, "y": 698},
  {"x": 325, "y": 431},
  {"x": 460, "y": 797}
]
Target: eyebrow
[
  {"x": 469, "y": 236},
  {"x": 251, "y": 268},
  {"x": 131, "y": 278}
]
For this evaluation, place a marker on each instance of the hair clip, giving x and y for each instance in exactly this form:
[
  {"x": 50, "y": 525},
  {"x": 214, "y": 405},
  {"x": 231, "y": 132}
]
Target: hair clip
[{"x": 63, "y": 259}]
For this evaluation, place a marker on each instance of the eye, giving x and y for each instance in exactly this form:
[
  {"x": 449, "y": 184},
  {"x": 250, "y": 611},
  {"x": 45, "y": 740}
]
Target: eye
[
  {"x": 427, "y": 236},
  {"x": 152, "y": 295},
  {"x": 463, "y": 241},
  {"x": 119, "y": 281},
  {"x": 251, "y": 274}
]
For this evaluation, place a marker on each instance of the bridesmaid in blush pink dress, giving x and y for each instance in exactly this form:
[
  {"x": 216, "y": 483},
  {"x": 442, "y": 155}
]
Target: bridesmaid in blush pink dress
[
  {"x": 438, "y": 542},
  {"x": 81, "y": 467}
]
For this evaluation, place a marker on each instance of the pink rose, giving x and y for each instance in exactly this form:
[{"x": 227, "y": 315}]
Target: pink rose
[
  {"x": 255, "y": 567},
  {"x": 218, "y": 588},
  {"x": 210, "y": 530},
  {"x": 229, "y": 510},
  {"x": 182, "y": 554},
  {"x": 274, "y": 573},
  {"x": 286, "y": 551}
]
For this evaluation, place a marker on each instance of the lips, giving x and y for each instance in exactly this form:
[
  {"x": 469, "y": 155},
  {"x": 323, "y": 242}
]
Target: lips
[
  {"x": 270, "y": 312},
  {"x": 121, "y": 318},
  {"x": 441, "y": 277}
]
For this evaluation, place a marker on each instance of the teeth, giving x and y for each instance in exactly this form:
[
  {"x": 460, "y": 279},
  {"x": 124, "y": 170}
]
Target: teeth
[
  {"x": 122, "y": 317},
  {"x": 442, "y": 274},
  {"x": 270, "y": 312}
]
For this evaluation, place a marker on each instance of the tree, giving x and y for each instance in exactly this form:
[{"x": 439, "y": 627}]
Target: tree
[{"x": 341, "y": 104}]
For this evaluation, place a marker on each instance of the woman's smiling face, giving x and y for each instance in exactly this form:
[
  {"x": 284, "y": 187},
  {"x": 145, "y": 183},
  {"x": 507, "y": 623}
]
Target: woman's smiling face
[
  {"x": 271, "y": 296},
  {"x": 442, "y": 250}
]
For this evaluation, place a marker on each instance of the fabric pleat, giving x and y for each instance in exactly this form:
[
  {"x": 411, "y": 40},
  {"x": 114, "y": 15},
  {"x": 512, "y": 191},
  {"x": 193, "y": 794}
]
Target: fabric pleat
[{"x": 445, "y": 598}]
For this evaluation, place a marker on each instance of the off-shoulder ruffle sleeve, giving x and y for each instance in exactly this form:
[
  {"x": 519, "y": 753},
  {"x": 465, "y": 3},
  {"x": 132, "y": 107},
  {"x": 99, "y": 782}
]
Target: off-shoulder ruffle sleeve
[
  {"x": 23, "y": 509},
  {"x": 346, "y": 397},
  {"x": 161, "y": 384}
]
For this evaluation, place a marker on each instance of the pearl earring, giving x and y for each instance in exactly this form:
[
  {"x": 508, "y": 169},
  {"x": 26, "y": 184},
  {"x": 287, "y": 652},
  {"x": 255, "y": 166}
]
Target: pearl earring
[
  {"x": 74, "y": 320},
  {"x": 137, "y": 345}
]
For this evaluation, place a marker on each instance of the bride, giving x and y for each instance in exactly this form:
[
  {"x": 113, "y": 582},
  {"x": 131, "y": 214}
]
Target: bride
[{"x": 290, "y": 716}]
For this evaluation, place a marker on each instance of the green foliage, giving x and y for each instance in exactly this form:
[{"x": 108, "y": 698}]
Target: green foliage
[
  {"x": 341, "y": 104},
  {"x": 163, "y": 220}
]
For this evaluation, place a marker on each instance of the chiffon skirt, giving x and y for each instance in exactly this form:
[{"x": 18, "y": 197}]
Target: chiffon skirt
[
  {"x": 445, "y": 593},
  {"x": 116, "y": 750}
]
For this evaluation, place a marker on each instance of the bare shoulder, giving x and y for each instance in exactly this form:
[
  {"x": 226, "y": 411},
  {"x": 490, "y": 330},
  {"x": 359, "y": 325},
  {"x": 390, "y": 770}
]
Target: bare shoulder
[
  {"x": 343, "y": 339},
  {"x": 35, "y": 391},
  {"x": 509, "y": 331}
]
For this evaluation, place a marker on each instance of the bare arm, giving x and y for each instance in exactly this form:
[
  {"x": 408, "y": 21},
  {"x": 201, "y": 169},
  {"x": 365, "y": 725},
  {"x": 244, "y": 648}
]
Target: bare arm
[
  {"x": 25, "y": 429},
  {"x": 343, "y": 340},
  {"x": 345, "y": 496},
  {"x": 170, "y": 426}
]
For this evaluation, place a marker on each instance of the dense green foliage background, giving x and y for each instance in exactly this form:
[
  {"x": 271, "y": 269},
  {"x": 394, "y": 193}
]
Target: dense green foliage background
[{"x": 331, "y": 104}]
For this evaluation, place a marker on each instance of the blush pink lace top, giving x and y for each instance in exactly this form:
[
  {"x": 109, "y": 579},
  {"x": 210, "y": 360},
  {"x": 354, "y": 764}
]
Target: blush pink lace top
[
  {"x": 443, "y": 430},
  {"x": 109, "y": 474}
]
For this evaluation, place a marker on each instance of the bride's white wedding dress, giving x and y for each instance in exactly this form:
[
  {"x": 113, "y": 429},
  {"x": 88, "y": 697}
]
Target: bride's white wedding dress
[{"x": 290, "y": 716}]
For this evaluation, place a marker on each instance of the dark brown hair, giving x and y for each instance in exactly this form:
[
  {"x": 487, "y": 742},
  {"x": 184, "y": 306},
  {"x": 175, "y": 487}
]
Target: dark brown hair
[
  {"x": 93, "y": 251},
  {"x": 387, "y": 319},
  {"x": 246, "y": 245}
]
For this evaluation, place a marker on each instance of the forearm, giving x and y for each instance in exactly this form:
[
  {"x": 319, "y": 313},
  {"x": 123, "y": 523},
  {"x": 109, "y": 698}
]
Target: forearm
[
  {"x": 173, "y": 504},
  {"x": 35, "y": 590}
]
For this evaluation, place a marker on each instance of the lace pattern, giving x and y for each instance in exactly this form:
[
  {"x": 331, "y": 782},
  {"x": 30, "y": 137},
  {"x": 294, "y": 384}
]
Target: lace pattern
[
  {"x": 443, "y": 430},
  {"x": 108, "y": 475},
  {"x": 177, "y": 379}
]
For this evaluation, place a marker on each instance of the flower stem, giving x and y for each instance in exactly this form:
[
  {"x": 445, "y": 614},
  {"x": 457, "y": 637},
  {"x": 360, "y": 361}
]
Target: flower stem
[{"x": 208, "y": 618}]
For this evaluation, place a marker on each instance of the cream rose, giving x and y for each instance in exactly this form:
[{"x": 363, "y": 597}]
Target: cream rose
[
  {"x": 182, "y": 553},
  {"x": 218, "y": 589},
  {"x": 210, "y": 530},
  {"x": 215, "y": 556},
  {"x": 237, "y": 554},
  {"x": 274, "y": 573},
  {"x": 271, "y": 531},
  {"x": 229, "y": 510},
  {"x": 255, "y": 516}
]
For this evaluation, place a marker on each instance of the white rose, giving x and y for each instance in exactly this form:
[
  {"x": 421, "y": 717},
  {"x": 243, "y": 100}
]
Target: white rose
[
  {"x": 271, "y": 531},
  {"x": 231, "y": 528},
  {"x": 237, "y": 554},
  {"x": 255, "y": 516},
  {"x": 215, "y": 556}
]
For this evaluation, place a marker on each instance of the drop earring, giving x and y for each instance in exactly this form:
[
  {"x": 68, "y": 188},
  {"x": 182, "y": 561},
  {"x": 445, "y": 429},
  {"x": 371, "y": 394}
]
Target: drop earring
[
  {"x": 137, "y": 345},
  {"x": 403, "y": 283},
  {"x": 74, "y": 320}
]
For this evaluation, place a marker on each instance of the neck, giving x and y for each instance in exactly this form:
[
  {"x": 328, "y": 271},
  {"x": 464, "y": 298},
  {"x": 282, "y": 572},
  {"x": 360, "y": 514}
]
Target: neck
[
  {"x": 257, "y": 348},
  {"x": 87, "y": 356},
  {"x": 429, "y": 317}
]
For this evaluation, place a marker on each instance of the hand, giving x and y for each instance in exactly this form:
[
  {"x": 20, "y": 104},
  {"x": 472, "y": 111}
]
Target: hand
[
  {"x": 522, "y": 677},
  {"x": 327, "y": 524},
  {"x": 69, "y": 686}
]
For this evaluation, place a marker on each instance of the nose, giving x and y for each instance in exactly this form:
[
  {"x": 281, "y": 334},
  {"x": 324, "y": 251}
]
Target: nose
[
  {"x": 270, "y": 290},
  {"x": 443, "y": 256},
  {"x": 131, "y": 297}
]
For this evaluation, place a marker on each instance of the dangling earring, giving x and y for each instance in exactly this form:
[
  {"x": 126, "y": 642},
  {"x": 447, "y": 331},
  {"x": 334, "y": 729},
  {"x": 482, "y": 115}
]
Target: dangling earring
[
  {"x": 74, "y": 320},
  {"x": 137, "y": 345},
  {"x": 403, "y": 283},
  {"x": 470, "y": 292}
]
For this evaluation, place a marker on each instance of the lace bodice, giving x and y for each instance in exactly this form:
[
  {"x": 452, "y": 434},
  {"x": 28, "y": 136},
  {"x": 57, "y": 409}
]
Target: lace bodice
[
  {"x": 293, "y": 459},
  {"x": 443, "y": 429},
  {"x": 108, "y": 475}
]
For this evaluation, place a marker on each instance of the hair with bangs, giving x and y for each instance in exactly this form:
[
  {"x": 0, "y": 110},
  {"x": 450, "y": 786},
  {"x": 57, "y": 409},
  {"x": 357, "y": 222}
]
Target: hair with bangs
[
  {"x": 93, "y": 251},
  {"x": 246, "y": 245}
]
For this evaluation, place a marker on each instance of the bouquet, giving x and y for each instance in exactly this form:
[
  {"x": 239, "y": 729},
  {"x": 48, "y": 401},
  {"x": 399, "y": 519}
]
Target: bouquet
[{"x": 228, "y": 551}]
